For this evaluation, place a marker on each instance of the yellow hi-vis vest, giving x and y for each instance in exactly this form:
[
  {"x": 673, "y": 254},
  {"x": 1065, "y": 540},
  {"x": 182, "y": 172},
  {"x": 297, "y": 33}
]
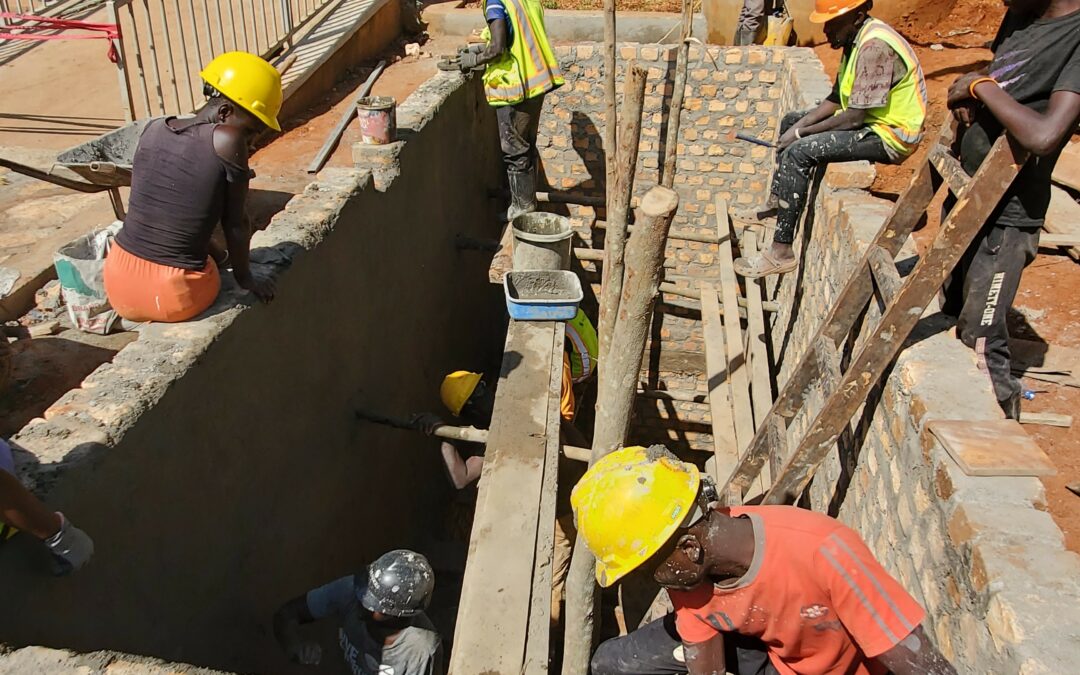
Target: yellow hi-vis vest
[
  {"x": 899, "y": 122},
  {"x": 581, "y": 338},
  {"x": 528, "y": 68}
]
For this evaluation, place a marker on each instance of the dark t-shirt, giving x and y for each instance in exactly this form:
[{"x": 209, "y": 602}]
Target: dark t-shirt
[
  {"x": 178, "y": 185},
  {"x": 1032, "y": 59}
]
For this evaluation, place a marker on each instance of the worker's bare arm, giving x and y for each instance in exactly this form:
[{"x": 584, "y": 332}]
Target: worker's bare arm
[
  {"x": 916, "y": 655},
  {"x": 19, "y": 508},
  {"x": 706, "y": 658},
  {"x": 1039, "y": 133},
  {"x": 230, "y": 143},
  {"x": 497, "y": 45},
  {"x": 287, "y": 621}
]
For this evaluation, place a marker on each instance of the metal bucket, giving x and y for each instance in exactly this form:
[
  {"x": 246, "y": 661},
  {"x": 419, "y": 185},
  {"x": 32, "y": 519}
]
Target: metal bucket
[
  {"x": 378, "y": 119},
  {"x": 541, "y": 241}
]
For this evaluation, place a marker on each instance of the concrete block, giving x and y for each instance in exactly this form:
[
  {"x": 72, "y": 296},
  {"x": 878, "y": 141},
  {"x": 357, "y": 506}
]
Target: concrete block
[{"x": 850, "y": 175}]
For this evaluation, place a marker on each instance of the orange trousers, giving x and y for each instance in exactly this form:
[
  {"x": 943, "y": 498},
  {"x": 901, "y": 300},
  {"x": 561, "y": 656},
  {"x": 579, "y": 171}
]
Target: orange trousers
[{"x": 140, "y": 290}]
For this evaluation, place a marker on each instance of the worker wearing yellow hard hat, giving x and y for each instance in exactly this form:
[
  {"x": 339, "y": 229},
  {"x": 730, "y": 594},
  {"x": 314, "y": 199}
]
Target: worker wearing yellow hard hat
[
  {"x": 188, "y": 175},
  {"x": 755, "y": 589},
  {"x": 875, "y": 113}
]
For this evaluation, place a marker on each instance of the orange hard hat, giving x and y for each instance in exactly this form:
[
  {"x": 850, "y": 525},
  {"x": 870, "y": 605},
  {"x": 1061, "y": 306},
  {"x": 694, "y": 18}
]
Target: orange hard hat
[{"x": 827, "y": 10}]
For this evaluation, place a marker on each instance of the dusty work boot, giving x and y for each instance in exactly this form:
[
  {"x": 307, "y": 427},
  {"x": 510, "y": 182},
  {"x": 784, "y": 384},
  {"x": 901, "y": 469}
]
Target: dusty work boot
[
  {"x": 763, "y": 215},
  {"x": 522, "y": 193}
]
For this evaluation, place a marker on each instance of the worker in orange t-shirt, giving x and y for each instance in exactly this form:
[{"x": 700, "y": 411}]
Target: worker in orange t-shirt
[{"x": 759, "y": 590}]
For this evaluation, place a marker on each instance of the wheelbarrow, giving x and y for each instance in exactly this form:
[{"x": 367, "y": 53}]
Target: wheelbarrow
[{"x": 104, "y": 162}]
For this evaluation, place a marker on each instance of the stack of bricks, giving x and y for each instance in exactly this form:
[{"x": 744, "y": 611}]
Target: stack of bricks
[
  {"x": 979, "y": 553},
  {"x": 728, "y": 90}
]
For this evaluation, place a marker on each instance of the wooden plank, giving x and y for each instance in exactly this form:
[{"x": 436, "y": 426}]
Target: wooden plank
[
  {"x": 949, "y": 168},
  {"x": 738, "y": 369},
  {"x": 828, "y": 361},
  {"x": 992, "y": 448},
  {"x": 1067, "y": 169},
  {"x": 1063, "y": 217},
  {"x": 886, "y": 279},
  {"x": 1047, "y": 419},
  {"x": 538, "y": 640},
  {"x": 503, "y": 260},
  {"x": 1069, "y": 239},
  {"x": 880, "y": 347},
  {"x": 761, "y": 396},
  {"x": 725, "y": 449},
  {"x": 495, "y": 607},
  {"x": 1046, "y": 362}
]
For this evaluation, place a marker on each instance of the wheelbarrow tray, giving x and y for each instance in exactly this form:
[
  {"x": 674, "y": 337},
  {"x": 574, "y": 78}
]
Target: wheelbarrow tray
[{"x": 107, "y": 159}]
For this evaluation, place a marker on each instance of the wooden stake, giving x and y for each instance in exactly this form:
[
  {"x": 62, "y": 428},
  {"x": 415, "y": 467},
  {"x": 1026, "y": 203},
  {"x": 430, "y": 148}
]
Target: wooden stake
[
  {"x": 622, "y": 188},
  {"x": 615, "y": 398},
  {"x": 677, "y": 94}
]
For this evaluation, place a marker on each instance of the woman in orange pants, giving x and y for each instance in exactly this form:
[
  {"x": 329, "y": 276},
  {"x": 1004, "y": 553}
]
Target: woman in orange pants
[{"x": 188, "y": 175}]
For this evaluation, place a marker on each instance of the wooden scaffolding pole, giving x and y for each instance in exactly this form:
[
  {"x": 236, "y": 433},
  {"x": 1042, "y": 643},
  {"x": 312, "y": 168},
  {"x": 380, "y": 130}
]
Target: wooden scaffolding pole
[
  {"x": 615, "y": 398},
  {"x": 671, "y": 143},
  {"x": 620, "y": 190}
]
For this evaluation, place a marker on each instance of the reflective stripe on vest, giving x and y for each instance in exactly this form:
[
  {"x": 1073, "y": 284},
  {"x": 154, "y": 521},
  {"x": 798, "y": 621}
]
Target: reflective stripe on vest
[
  {"x": 581, "y": 337},
  {"x": 899, "y": 122},
  {"x": 528, "y": 68}
]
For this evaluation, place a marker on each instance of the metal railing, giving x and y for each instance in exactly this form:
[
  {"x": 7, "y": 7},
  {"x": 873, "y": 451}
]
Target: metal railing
[{"x": 165, "y": 43}]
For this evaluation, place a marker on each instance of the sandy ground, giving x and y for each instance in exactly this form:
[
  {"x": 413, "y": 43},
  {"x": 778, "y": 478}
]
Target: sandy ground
[{"x": 1046, "y": 304}]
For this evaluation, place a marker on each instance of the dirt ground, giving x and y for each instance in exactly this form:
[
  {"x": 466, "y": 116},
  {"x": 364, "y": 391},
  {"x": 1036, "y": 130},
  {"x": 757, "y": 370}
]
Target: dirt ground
[{"x": 1046, "y": 304}]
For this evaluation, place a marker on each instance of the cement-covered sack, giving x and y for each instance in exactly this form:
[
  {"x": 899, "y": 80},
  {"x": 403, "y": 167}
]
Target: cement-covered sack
[{"x": 80, "y": 266}]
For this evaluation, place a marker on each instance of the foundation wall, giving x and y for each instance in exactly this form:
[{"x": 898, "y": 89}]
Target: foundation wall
[
  {"x": 218, "y": 463},
  {"x": 981, "y": 554}
]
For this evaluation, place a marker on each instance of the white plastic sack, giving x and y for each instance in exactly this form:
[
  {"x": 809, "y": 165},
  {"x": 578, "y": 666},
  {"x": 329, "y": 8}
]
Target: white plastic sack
[{"x": 80, "y": 266}]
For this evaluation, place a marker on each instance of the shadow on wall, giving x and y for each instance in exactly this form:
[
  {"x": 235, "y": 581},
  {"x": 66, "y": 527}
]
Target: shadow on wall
[{"x": 250, "y": 481}]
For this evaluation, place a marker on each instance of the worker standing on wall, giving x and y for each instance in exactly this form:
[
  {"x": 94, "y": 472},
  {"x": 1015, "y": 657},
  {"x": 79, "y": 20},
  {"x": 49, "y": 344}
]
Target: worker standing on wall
[
  {"x": 188, "y": 175},
  {"x": 875, "y": 113},
  {"x": 20, "y": 510},
  {"x": 757, "y": 590},
  {"x": 1031, "y": 90},
  {"x": 383, "y": 628},
  {"x": 519, "y": 69}
]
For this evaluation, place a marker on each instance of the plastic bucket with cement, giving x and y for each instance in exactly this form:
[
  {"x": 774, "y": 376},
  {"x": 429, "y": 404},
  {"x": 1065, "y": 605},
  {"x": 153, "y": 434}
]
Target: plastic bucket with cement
[
  {"x": 541, "y": 241},
  {"x": 378, "y": 119}
]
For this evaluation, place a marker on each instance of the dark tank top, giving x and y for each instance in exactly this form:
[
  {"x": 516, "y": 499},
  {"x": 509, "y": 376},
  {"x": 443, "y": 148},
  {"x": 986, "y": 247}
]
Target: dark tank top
[{"x": 178, "y": 185}]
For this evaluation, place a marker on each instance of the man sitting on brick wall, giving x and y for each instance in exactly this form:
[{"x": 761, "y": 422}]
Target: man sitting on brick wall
[
  {"x": 757, "y": 590},
  {"x": 874, "y": 113},
  {"x": 1031, "y": 90}
]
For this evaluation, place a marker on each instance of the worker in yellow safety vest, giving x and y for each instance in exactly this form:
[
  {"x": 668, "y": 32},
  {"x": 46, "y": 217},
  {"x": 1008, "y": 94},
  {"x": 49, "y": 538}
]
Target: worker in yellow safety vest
[
  {"x": 875, "y": 113},
  {"x": 519, "y": 68}
]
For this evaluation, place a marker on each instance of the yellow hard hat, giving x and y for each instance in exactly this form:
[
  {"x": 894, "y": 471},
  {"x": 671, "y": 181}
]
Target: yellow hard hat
[
  {"x": 827, "y": 10},
  {"x": 249, "y": 82},
  {"x": 456, "y": 389},
  {"x": 628, "y": 505}
]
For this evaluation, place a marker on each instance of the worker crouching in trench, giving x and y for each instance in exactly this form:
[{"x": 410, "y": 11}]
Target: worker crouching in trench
[{"x": 188, "y": 175}]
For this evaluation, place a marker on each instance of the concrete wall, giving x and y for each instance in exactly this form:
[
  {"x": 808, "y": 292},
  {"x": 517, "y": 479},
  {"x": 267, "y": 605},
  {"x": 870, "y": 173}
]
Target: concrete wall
[
  {"x": 980, "y": 553},
  {"x": 217, "y": 463}
]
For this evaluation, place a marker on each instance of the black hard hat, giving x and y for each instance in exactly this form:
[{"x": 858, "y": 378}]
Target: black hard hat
[{"x": 399, "y": 583}]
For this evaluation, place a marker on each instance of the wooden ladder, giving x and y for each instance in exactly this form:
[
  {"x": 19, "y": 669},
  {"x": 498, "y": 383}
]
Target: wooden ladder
[{"x": 904, "y": 301}]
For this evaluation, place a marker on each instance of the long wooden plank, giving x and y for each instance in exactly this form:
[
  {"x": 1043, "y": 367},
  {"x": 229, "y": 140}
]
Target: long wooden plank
[
  {"x": 949, "y": 168},
  {"x": 1067, "y": 169},
  {"x": 495, "y": 608},
  {"x": 1063, "y": 217},
  {"x": 882, "y": 345},
  {"x": 738, "y": 369},
  {"x": 760, "y": 378},
  {"x": 725, "y": 449},
  {"x": 538, "y": 639}
]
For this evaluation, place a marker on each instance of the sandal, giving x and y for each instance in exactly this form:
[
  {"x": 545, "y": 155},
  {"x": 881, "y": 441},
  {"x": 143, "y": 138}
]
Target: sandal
[{"x": 763, "y": 265}]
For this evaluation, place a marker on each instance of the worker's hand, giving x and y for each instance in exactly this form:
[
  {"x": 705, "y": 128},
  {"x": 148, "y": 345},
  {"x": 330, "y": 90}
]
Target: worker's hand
[
  {"x": 306, "y": 653},
  {"x": 426, "y": 422},
  {"x": 965, "y": 113},
  {"x": 786, "y": 139},
  {"x": 262, "y": 287},
  {"x": 71, "y": 548},
  {"x": 960, "y": 91},
  {"x": 469, "y": 61},
  {"x": 474, "y": 48}
]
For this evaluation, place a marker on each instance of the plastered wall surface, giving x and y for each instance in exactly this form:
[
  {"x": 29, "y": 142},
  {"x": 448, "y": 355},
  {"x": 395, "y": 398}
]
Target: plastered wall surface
[{"x": 218, "y": 463}]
